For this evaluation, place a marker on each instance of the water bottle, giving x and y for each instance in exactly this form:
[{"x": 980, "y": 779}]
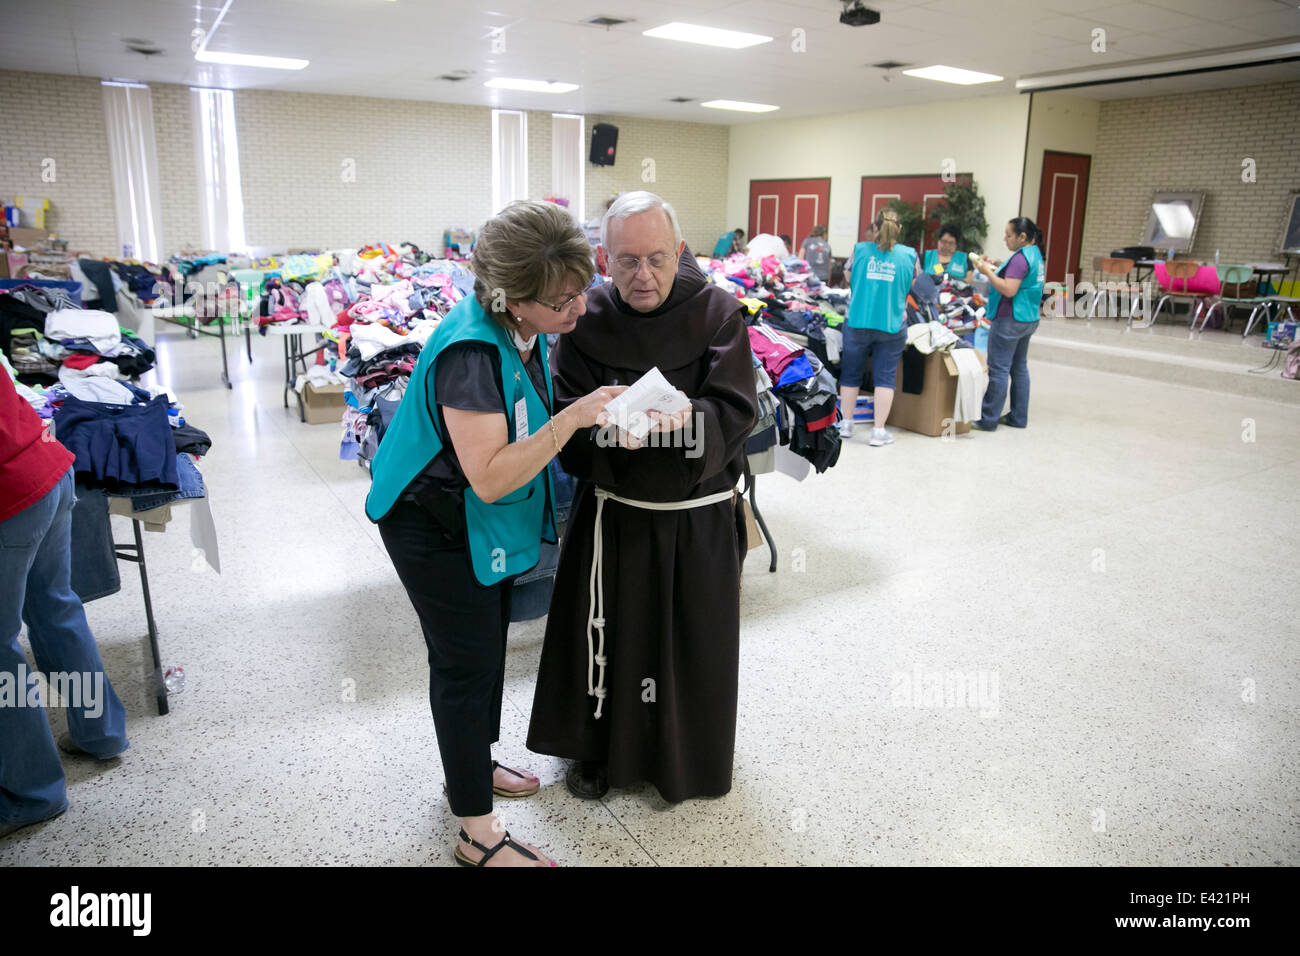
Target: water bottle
[
  {"x": 174, "y": 680},
  {"x": 1216, "y": 258}
]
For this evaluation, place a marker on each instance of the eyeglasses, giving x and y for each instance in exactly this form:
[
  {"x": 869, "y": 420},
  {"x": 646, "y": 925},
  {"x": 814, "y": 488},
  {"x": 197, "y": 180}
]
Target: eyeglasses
[
  {"x": 657, "y": 262},
  {"x": 564, "y": 306}
]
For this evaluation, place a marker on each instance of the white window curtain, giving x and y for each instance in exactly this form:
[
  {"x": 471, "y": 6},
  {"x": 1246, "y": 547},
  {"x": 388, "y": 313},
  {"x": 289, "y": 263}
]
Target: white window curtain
[
  {"x": 568, "y": 170},
  {"x": 221, "y": 203},
  {"x": 133, "y": 164},
  {"x": 509, "y": 157}
]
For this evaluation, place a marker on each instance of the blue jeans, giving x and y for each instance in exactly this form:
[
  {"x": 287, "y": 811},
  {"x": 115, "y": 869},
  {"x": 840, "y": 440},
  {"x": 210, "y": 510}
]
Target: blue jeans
[
  {"x": 35, "y": 587},
  {"x": 1008, "y": 357}
]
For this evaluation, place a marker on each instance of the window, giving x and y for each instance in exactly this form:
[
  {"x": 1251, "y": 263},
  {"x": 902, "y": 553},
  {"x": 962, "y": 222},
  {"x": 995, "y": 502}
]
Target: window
[
  {"x": 509, "y": 157},
  {"x": 221, "y": 200},
  {"x": 133, "y": 163},
  {"x": 568, "y": 168}
]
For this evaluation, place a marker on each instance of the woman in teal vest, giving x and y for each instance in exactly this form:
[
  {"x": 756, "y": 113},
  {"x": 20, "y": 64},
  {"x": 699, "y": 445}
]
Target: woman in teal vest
[
  {"x": 462, "y": 493},
  {"x": 1015, "y": 300},
  {"x": 945, "y": 259},
  {"x": 881, "y": 272}
]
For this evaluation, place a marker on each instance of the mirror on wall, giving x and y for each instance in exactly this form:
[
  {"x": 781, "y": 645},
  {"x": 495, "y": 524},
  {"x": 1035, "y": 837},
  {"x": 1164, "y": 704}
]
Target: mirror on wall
[{"x": 1171, "y": 224}]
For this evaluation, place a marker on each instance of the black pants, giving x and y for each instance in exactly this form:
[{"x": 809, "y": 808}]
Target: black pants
[{"x": 465, "y": 628}]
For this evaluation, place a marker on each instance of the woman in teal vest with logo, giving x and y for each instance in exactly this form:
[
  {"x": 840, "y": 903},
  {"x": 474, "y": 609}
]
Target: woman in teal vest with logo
[
  {"x": 1015, "y": 300},
  {"x": 945, "y": 259},
  {"x": 462, "y": 493},
  {"x": 881, "y": 273}
]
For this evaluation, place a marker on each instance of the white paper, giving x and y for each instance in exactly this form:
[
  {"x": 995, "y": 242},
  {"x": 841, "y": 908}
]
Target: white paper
[
  {"x": 651, "y": 392},
  {"x": 521, "y": 420}
]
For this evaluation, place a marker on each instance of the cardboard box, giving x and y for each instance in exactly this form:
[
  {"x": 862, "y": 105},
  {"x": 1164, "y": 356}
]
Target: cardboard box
[
  {"x": 28, "y": 238},
  {"x": 11, "y": 263},
  {"x": 324, "y": 405},
  {"x": 927, "y": 412}
]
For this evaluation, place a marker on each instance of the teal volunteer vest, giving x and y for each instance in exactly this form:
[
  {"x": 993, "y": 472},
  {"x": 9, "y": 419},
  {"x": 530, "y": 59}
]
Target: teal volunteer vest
[
  {"x": 1026, "y": 306},
  {"x": 880, "y": 282},
  {"x": 504, "y": 536},
  {"x": 957, "y": 265}
]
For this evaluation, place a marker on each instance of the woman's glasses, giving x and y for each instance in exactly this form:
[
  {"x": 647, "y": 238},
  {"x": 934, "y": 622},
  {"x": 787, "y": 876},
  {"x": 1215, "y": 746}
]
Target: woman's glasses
[{"x": 564, "y": 306}]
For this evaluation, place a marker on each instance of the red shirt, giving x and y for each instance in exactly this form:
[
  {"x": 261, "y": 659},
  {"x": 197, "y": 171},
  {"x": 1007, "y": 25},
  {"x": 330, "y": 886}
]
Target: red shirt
[{"x": 31, "y": 463}]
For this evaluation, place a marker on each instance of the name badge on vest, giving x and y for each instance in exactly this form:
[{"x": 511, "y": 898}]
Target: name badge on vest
[{"x": 521, "y": 420}]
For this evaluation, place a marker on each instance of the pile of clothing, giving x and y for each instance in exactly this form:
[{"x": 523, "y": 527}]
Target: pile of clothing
[
  {"x": 787, "y": 295},
  {"x": 90, "y": 343},
  {"x": 957, "y": 305},
  {"x": 807, "y": 396},
  {"x": 128, "y": 440}
]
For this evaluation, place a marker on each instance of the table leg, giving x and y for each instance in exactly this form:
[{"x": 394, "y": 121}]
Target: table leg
[
  {"x": 135, "y": 554},
  {"x": 225, "y": 365},
  {"x": 286, "y": 372},
  {"x": 762, "y": 525}
]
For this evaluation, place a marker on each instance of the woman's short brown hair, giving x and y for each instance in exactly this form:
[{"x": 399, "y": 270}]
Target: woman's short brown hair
[{"x": 528, "y": 249}]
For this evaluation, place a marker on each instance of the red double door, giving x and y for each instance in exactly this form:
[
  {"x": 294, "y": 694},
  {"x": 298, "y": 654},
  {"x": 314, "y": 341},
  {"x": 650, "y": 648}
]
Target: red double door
[
  {"x": 927, "y": 190},
  {"x": 788, "y": 207},
  {"x": 1062, "y": 197}
]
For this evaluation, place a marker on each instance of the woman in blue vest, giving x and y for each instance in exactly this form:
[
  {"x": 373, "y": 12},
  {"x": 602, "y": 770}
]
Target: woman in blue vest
[
  {"x": 880, "y": 274},
  {"x": 945, "y": 259},
  {"x": 1015, "y": 300},
  {"x": 462, "y": 493}
]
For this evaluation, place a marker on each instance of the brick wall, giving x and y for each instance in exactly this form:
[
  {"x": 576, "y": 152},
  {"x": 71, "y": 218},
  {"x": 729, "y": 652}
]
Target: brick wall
[
  {"x": 690, "y": 171},
  {"x": 342, "y": 170},
  {"x": 1195, "y": 142},
  {"x": 46, "y": 116},
  {"x": 413, "y": 168}
]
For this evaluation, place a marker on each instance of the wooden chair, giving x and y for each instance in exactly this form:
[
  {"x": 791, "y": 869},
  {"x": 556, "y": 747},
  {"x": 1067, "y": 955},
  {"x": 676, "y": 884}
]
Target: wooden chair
[
  {"x": 1179, "y": 273},
  {"x": 1111, "y": 267}
]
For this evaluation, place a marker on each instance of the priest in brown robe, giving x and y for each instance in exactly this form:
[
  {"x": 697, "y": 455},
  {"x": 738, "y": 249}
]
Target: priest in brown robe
[{"x": 639, "y": 668}]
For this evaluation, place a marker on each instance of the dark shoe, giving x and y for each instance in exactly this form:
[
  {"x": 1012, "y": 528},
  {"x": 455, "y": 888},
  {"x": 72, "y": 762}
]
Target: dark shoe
[
  {"x": 69, "y": 746},
  {"x": 8, "y": 828},
  {"x": 587, "y": 779},
  {"x": 489, "y": 852},
  {"x": 979, "y": 423},
  {"x": 1006, "y": 420}
]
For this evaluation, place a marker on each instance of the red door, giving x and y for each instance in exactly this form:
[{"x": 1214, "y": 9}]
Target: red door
[
  {"x": 788, "y": 207},
  {"x": 1061, "y": 200},
  {"x": 927, "y": 190}
]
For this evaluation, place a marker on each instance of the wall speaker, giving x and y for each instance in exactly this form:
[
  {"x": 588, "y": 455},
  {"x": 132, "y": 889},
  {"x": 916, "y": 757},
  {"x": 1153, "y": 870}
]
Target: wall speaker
[{"x": 604, "y": 140}]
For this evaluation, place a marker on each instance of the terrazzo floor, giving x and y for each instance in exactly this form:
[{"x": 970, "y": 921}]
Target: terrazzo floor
[{"x": 1072, "y": 644}]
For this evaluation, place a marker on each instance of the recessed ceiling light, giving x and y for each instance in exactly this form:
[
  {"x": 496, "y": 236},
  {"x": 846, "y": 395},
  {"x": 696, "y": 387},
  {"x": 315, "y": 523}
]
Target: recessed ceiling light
[
  {"x": 952, "y": 74},
  {"x": 251, "y": 59},
  {"x": 530, "y": 86},
  {"x": 709, "y": 36},
  {"x": 739, "y": 106}
]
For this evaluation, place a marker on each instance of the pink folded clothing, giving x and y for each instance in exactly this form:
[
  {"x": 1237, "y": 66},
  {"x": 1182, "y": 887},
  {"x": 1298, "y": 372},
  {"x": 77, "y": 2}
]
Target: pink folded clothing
[{"x": 1205, "y": 282}]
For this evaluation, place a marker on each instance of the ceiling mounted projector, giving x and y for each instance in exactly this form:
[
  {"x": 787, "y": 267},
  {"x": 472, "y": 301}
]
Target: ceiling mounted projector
[{"x": 856, "y": 15}]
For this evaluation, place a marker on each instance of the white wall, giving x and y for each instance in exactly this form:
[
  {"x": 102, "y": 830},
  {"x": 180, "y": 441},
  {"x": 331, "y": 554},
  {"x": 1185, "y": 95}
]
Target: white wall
[
  {"x": 1060, "y": 122},
  {"x": 984, "y": 136}
]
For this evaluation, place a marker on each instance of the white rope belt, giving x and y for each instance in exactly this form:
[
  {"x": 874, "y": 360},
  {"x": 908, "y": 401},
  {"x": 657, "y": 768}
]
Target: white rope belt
[{"x": 596, "y": 595}]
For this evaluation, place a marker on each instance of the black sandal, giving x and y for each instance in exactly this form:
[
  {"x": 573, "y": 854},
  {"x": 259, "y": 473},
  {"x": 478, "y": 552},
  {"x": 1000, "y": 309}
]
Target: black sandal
[
  {"x": 488, "y": 853},
  {"x": 502, "y": 792}
]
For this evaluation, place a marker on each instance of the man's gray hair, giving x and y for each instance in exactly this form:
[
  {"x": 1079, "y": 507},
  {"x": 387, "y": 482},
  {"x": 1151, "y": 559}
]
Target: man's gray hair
[{"x": 629, "y": 204}]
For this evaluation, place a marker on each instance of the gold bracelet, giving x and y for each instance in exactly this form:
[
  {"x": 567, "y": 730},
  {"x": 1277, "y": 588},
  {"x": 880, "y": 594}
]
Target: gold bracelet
[{"x": 554, "y": 434}]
